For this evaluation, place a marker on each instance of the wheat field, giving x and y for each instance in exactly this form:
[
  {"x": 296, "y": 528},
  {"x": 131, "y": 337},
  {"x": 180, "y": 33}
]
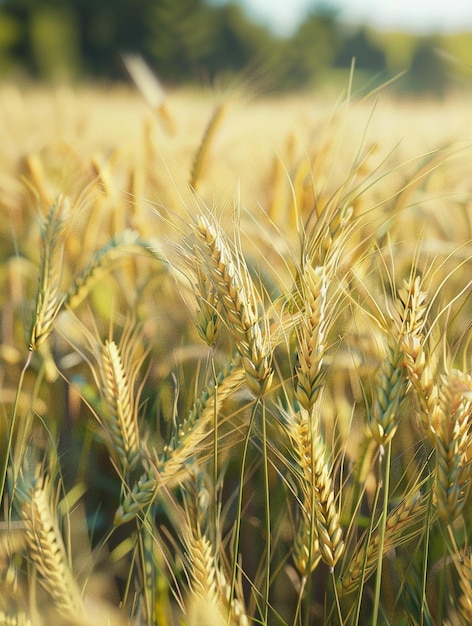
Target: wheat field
[{"x": 235, "y": 363}]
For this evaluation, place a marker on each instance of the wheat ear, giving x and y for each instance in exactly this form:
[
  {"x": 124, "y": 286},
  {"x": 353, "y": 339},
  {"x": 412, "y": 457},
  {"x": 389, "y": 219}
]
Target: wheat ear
[
  {"x": 212, "y": 592},
  {"x": 47, "y": 551},
  {"x": 237, "y": 295},
  {"x": 451, "y": 422},
  {"x": 194, "y": 429},
  {"x": 48, "y": 299},
  {"x": 320, "y": 517},
  {"x": 204, "y": 147},
  {"x": 306, "y": 548},
  {"x": 141, "y": 496},
  {"x": 121, "y": 415},
  {"x": 389, "y": 392},
  {"x": 330, "y": 535},
  {"x": 412, "y": 308},
  {"x": 402, "y": 525},
  {"x": 208, "y": 316},
  {"x": 103, "y": 259},
  {"x": 312, "y": 335}
]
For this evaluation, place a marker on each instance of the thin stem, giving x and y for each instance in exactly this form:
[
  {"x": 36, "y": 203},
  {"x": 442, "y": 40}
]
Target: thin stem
[
  {"x": 267, "y": 511},
  {"x": 385, "y": 457},
  {"x": 239, "y": 513},
  {"x": 301, "y": 594},
  {"x": 425, "y": 562},
  {"x": 371, "y": 528},
  {"x": 4, "y": 467},
  {"x": 336, "y": 597},
  {"x": 215, "y": 445}
]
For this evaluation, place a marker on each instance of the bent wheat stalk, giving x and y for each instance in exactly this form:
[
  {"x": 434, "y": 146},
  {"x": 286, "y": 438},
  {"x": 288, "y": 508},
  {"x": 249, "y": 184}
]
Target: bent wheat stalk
[
  {"x": 237, "y": 295},
  {"x": 48, "y": 298}
]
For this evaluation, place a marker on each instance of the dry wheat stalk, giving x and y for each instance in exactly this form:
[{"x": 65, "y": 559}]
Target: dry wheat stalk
[
  {"x": 403, "y": 524},
  {"x": 325, "y": 242},
  {"x": 48, "y": 298},
  {"x": 330, "y": 535},
  {"x": 451, "y": 422},
  {"x": 320, "y": 517},
  {"x": 306, "y": 552},
  {"x": 412, "y": 309},
  {"x": 190, "y": 434},
  {"x": 47, "y": 551},
  {"x": 121, "y": 416},
  {"x": 311, "y": 335},
  {"x": 237, "y": 295}
]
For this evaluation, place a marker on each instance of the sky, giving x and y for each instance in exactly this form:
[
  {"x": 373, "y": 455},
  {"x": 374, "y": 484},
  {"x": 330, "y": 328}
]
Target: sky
[{"x": 420, "y": 16}]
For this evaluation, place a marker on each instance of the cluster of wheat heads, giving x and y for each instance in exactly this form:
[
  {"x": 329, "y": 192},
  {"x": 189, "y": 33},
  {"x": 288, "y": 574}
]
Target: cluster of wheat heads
[{"x": 233, "y": 416}]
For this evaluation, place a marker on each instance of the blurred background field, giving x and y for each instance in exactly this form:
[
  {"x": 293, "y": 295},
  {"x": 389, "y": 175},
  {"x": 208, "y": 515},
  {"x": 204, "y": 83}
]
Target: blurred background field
[
  {"x": 195, "y": 41},
  {"x": 292, "y": 155}
]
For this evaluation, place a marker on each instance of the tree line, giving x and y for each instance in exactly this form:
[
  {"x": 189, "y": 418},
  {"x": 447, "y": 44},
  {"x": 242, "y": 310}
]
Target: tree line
[{"x": 194, "y": 41}]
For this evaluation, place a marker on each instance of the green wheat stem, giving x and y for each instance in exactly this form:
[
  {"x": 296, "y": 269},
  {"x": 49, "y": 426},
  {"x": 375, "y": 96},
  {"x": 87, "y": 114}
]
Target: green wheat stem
[
  {"x": 215, "y": 443},
  {"x": 4, "y": 467},
  {"x": 308, "y": 580},
  {"x": 357, "y": 611},
  {"x": 336, "y": 597},
  {"x": 239, "y": 514},
  {"x": 267, "y": 509},
  {"x": 425, "y": 561},
  {"x": 385, "y": 457},
  {"x": 297, "y": 618}
]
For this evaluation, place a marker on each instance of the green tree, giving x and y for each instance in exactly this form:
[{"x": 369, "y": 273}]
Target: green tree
[
  {"x": 428, "y": 72},
  {"x": 180, "y": 37},
  {"x": 303, "y": 58},
  {"x": 359, "y": 46}
]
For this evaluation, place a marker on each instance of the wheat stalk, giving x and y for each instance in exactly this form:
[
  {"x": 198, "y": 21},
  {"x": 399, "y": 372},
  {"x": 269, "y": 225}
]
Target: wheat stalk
[
  {"x": 186, "y": 444},
  {"x": 402, "y": 525},
  {"x": 330, "y": 535},
  {"x": 451, "y": 423},
  {"x": 389, "y": 393},
  {"x": 140, "y": 497},
  {"x": 412, "y": 308},
  {"x": 237, "y": 295},
  {"x": 306, "y": 548},
  {"x": 121, "y": 415},
  {"x": 208, "y": 316},
  {"x": 211, "y": 590},
  {"x": 47, "y": 551},
  {"x": 48, "y": 298},
  {"x": 320, "y": 517},
  {"x": 312, "y": 335},
  {"x": 103, "y": 259}
]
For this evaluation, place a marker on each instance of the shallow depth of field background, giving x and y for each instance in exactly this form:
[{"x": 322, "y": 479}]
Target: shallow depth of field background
[{"x": 263, "y": 134}]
